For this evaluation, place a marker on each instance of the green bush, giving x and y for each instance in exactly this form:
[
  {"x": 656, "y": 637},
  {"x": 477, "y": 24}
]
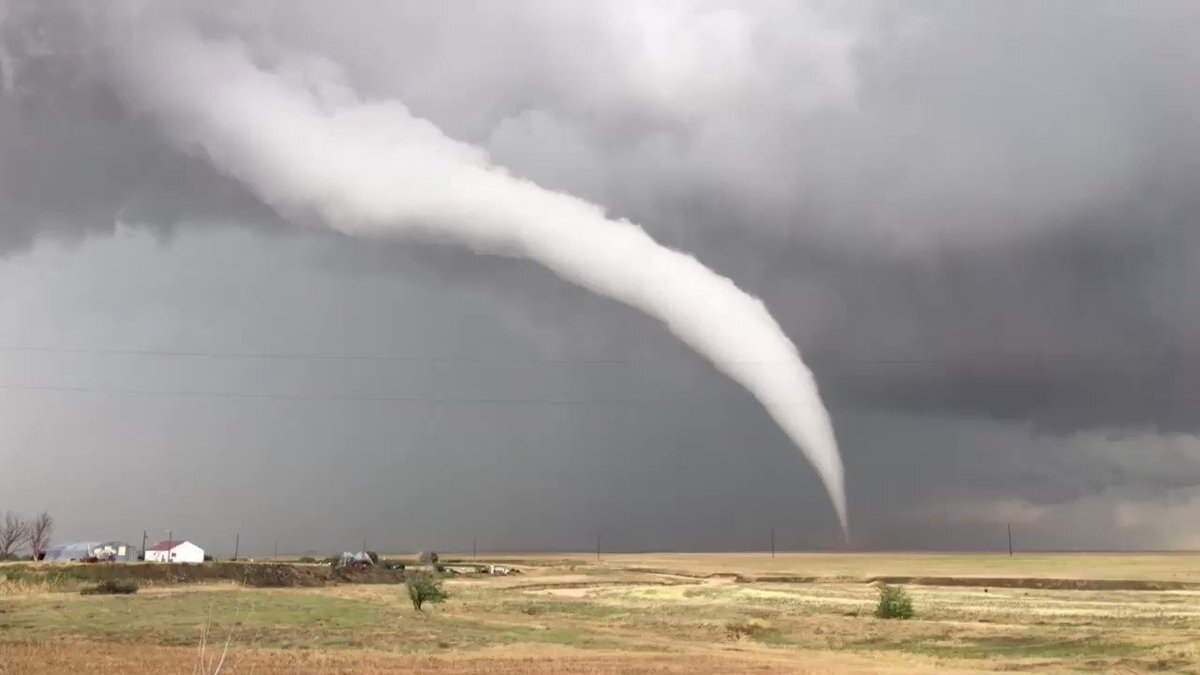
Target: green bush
[
  {"x": 374, "y": 557},
  {"x": 113, "y": 587},
  {"x": 307, "y": 559},
  {"x": 894, "y": 603},
  {"x": 425, "y": 588}
]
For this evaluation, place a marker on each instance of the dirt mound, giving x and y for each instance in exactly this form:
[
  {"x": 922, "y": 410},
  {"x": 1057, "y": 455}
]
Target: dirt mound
[
  {"x": 284, "y": 576},
  {"x": 259, "y": 575},
  {"x": 687, "y": 573},
  {"x": 584, "y": 585},
  {"x": 371, "y": 575},
  {"x": 788, "y": 579}
]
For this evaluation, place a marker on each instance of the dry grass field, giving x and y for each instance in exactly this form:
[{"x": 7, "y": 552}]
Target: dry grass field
[{"x": 644, "y": 613}]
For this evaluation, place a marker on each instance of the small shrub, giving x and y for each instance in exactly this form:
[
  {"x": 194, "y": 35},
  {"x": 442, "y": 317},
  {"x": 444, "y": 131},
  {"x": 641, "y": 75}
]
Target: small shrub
[
  {"x": 738, "y": 629},
  {"x": 308, "y": 559},
  {"x": 374, "y": 557},
  {"x": 113, "y": 587},
  {"x": 425, "y": 588},
  {"x": 754, "y": 629},
  {"x": 894, "y": 603}
]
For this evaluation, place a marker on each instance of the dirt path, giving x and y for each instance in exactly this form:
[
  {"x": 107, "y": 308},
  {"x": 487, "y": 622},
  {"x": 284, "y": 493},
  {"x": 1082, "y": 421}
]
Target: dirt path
[{"x": 85, "y": 657}]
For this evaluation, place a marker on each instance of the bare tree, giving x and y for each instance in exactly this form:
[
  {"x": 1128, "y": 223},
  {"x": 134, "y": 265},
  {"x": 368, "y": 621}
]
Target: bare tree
[
  {"x": 40, "y": 529},
  {"x": 13, "y": 532}
]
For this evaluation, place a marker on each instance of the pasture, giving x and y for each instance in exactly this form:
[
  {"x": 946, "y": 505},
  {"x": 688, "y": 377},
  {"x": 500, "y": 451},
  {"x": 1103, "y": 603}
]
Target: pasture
[{"x": 631, "y": 613}]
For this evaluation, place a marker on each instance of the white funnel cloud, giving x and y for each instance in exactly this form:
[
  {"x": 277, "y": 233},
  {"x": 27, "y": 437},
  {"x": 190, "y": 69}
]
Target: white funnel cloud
[{"x": 302, "y": 141}]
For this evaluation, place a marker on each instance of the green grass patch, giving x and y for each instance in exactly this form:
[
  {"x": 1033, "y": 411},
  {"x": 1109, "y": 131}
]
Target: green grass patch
[
  {"x": 756, "y": 630},
  {"x": 276, "y": 618},
  {"x": 573, "y": 608}
]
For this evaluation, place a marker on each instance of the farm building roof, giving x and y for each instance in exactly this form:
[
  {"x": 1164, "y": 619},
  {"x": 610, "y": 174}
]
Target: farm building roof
[{"x": 167, "y": 545}]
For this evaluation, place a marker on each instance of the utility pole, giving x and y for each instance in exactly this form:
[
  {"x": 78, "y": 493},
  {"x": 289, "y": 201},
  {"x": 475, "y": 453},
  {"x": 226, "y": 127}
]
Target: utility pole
[
  {"x": 1010, "y": 540},
  {"x": 276, "y": 554},
  {"x": 474, "y": 548},
  {"x": 597, "y": 547},
  {"x": 143, "y": 544},
  {"x": 237, "y": 543},
  {"x": 772, "y": 542}
]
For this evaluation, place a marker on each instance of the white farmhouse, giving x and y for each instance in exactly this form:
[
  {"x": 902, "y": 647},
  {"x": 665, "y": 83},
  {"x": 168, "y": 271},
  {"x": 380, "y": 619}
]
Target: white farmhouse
[{"x": 175, "y": 552}]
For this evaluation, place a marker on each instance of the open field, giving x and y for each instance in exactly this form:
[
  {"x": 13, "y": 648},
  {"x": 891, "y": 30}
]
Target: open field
[
  {"x": 1167, "y": 568},
  {"x": 645, "y": 613}
]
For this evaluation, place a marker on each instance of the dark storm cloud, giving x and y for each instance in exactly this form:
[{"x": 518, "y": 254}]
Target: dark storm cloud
[
  {"x": 1004, "y": 201},
  {"x": 978, "y": 221},
  {"x": 1076, "y": 329},
  {"x": 74, "y": 160}
]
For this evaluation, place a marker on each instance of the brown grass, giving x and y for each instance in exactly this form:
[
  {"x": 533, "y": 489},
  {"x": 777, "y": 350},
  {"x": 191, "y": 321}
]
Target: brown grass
[
  {"x": 76, "y": 658},
  {"x": 655, "y": 613},
  {"x": 1162, "y": 567}
]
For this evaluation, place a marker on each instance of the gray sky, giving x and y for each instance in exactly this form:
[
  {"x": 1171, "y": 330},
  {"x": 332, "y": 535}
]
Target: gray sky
[{"x": 978, "y": 224}]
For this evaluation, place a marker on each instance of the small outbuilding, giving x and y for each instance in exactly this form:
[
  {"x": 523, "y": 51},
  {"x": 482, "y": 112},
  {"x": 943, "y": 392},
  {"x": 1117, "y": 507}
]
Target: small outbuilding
[
  {"x": 175, "y": 551},
  {"x": 360, "y": 560},
  {"x": 91, "y": 551}
]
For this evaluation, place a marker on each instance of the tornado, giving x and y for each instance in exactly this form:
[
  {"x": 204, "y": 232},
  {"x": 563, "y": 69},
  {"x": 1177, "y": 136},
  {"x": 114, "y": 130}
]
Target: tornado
[{"x": 308, "y": 145}]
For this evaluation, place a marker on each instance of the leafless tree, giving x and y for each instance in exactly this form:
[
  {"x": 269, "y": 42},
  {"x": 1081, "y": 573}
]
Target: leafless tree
[
  {"x": 13, "y": 532},
  {"x": 40, "y": 529}
]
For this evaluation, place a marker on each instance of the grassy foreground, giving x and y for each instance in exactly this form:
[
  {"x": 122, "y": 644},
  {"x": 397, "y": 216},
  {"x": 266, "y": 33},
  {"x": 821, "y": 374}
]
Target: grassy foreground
[{"x": 639, "y": 613}]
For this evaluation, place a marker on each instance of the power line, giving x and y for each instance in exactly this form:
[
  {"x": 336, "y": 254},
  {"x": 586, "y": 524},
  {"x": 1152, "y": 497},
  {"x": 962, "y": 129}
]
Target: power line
[
  {"x": 279, "y": 356},
  {"x": 1040, "y": 357},
  {"x": 283, "y": 356},
  {"x": 169, "y": 393}
]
